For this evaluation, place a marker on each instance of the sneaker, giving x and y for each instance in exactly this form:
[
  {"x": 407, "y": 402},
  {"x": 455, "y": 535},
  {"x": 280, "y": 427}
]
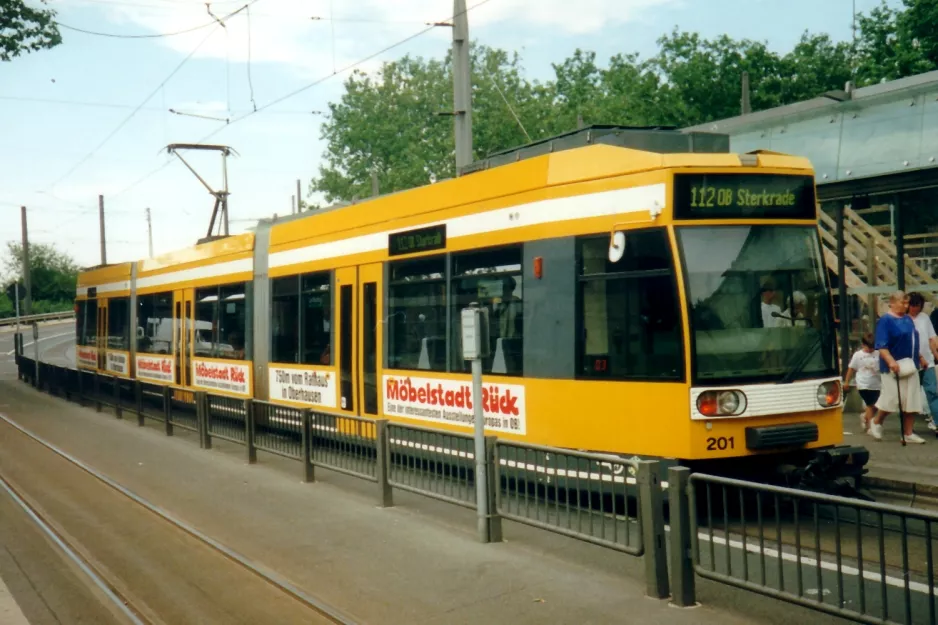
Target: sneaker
[
  {"x": 876, "y": 431},
  {"x": 932, "y": 426},
  {"x": 914, "y": 438}
]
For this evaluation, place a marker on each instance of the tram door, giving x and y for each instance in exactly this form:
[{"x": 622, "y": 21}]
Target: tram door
[
  {"x": 358, "y": 337},
  {"x": 182, "y": 335},
  {"x": 102, "y": 342},
  {"x": 346, "y": 322},
  {"x": 370, "y": 334}
]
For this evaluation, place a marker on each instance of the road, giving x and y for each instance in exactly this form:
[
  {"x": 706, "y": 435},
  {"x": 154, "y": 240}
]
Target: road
[{"x": 56, "y": 346}]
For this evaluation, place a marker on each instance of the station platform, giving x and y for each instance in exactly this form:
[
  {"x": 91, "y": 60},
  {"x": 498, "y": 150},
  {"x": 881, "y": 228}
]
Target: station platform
[{"x": 418, "y": 562}]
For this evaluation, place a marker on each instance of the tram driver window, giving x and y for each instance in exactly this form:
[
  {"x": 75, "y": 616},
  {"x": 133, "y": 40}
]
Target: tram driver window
[
  {"x": 87, "y": 322},
  {"x": 417, "y": 315},
  {"x": 493, "y": 279},
  {"x": 629, "y": 325}
]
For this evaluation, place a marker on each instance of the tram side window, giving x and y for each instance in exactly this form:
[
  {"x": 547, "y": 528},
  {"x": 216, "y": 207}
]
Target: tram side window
[
  {"x": 118, "y": 323},
  {"x": 285, "y": 319},
  {"x": 417, "y": 314},
  {"x": 315, "y": 319},
  {"x": 87, "y": 322},
  {"x": 629, "y": 321},
  {"x": 492, "y": 278},
  {"x": 232, "y": 322},
  {"x": 155, "y": 323},
  {"x": 300, "y": 319},
  {"x": 206, "y": 322}
]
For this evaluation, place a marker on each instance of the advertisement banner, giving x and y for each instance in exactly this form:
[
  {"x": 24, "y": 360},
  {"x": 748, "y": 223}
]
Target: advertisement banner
[
  {"x": 156, "y": 368},
  {"x": 450, "y": 401},
  {"x": 313, "y": 387},
  {"x": 118, "y": 362},
  {"x": 233, "y": 377},
  {"x": 87, "y": 356}
]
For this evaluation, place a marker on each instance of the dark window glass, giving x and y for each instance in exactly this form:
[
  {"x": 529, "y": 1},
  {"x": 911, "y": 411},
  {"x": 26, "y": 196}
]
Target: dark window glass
[
  {"x": 370, "y": 346},
  {"x": 155, "y": 323},
  {"x": 417, "y": 315},
  {"x": 90, "y": 328},
  {"x": 628, "y": 311},
  {"x": 206, "y": 320},
  {"x": 493, "y": 279},
  {"x": 316, "y": 319},
  {"x": 285, "y": 319},
  {"x": 118, "y": 323},
  {"x": 345, "y": 348},
  {"x": 221, "y": 320}
]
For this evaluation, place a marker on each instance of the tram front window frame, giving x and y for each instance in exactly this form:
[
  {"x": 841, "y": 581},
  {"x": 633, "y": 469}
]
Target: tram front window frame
[{"x": 758, "y": 303}]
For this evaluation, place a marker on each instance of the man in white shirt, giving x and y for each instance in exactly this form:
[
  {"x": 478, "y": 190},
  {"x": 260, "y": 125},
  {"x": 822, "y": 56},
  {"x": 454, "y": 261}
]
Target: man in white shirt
[
  {"x": 767, "y": 293},
  {"x": 928, "y": 341}
]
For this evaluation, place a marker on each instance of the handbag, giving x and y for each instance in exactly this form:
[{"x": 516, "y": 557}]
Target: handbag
[{"x": 906, "y": 367}]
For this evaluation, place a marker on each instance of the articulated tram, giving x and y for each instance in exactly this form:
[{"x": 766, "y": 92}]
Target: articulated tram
[{"x": 648, "y": 293}]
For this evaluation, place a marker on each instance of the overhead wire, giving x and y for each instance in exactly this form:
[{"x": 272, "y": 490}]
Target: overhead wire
[
  {"x": 296, "y": 92},
  {"x": 149, "y": 36},
  {"x": 143, "y": 103}
]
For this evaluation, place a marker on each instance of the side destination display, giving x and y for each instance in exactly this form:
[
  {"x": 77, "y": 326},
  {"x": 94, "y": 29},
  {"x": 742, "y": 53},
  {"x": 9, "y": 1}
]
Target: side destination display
[{"x": 416, "y": 241}]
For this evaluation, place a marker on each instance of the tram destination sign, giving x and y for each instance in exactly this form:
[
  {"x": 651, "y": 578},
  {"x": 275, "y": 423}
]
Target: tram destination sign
[
  {"x": 416, "y": 241},
  {"x": 743, "y": 196}
]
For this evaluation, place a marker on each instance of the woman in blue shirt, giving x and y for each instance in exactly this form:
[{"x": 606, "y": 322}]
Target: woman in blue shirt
[{"x": 897, "y": 339}]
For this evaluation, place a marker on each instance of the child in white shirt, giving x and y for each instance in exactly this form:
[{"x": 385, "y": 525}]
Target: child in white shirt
[{"x": 865, "y": 366}]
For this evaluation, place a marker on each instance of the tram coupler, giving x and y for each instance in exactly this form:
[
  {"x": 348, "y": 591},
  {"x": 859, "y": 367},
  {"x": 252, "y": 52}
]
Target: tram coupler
[{"x": 835, "y": 471}]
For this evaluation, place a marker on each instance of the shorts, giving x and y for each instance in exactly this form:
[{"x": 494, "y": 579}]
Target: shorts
[
  {"x": 869, "y": 396},
  {"x": 888, "y": 400}
]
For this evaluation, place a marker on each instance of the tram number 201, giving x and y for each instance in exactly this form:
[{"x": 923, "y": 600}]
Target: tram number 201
[{"x": 721, "y": 443}]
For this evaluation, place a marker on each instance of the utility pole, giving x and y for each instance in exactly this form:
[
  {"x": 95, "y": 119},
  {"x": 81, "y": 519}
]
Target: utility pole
[
  {"x": 27, "y": 297},
  {"x": 150, "y": 231},
  {"x": 293, "y": 204},
  {"x": 299, "y": 201},
  {"x": 462, "y": 86},
  {"x": 746, "y": 106},
  {"x": 101, "y": 224}
]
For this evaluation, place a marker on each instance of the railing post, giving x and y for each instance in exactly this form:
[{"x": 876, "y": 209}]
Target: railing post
[
  {"x": 382, "y": 464},
  {"x": 202, "y": 418},
  {"x": 649, "y": 493},
  {"x": 249, "y": 431},
  {"x": 683, "y": 591},
  {"x": 97, "y": 392},
  {"x": 494, "y": 519},
  {"x": 118, "y": 410},
  {"x": 168, "y": 409},
  {"x": 138, "y": 399},
  {"x": 306, "y": 420}
]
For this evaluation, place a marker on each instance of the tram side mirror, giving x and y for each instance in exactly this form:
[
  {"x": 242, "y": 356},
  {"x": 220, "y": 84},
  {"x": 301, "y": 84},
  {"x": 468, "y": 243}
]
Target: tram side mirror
[{"x": 616, "y": 247}]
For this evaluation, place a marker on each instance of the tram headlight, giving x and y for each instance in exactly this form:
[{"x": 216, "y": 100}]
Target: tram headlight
[
  {"x": 721, "y": 403},
  {"x": 828, "y": 394}
]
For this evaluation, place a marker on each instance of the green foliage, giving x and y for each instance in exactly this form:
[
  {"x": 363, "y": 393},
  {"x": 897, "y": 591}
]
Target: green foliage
[
  {"x": 7, "y": 308},
  {"x": 390, "y": 122},
  {"x": 53, "y": 277},
  {"x": 24, "y": 29}
]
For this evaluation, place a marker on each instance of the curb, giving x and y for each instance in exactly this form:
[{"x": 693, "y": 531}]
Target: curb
[{"x": 911, "y": 494}]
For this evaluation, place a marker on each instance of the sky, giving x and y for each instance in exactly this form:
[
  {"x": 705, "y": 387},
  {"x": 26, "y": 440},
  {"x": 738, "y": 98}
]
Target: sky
[{"x": 93, "y": 116}]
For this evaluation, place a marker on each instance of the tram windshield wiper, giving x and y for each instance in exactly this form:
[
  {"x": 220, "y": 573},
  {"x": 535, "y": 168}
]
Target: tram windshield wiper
[{"x": 803, "y": 358}]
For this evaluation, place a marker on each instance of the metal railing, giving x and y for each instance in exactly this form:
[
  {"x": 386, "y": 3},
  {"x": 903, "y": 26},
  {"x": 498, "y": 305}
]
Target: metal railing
[
  {"x": 865, "y": 561},
  {"x": 24, "y": 320},
  {"x": 432, "y": 463}
]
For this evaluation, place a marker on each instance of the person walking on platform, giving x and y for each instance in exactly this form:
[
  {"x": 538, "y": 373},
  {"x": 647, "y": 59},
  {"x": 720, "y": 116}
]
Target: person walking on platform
[
  {"x": 899, "y": 362},
  {"x": 865, "y": 366},
  {"x": 928, "y": 340}
]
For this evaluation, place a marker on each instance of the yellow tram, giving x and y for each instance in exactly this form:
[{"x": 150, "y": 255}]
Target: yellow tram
[{"x": 649, "y": 294}]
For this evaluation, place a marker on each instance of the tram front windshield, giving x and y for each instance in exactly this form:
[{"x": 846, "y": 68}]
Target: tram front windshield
[{"x": 759, "y": 310}]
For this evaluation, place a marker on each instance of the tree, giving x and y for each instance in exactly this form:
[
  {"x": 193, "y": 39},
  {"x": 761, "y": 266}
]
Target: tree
[
  {"x": 53, "y": 276},
  {"x": 391, "y": 123},
  {"x": 24, "y": 29}
]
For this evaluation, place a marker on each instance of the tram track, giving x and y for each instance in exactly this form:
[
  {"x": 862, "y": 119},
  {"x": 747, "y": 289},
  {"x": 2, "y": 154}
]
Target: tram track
[{"x": 158, "y": 567}]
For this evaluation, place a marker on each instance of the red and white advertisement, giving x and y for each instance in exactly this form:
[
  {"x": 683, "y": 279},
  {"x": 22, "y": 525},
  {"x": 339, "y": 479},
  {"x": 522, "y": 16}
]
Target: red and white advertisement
[
  {"x": 87, "y": 356},
  {"x": 231, "y": 377},
  {"x": 156, "y": 368},
  {"x": 450, "y": 401},
  {"x": 305, "y": 386},
  {"x": 118, "y": 362}
]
